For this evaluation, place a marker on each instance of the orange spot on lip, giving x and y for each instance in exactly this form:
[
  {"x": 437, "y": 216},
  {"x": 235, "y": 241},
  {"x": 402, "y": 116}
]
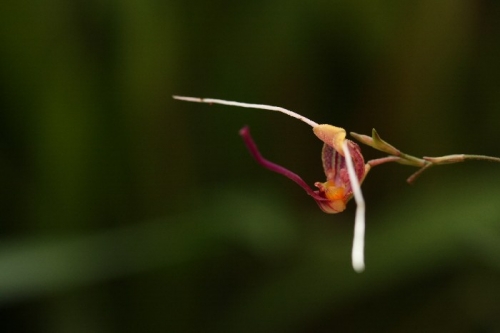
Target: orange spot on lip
[
  {"x": 336, "y": 196},
  {"x": 333, "y": 192}
]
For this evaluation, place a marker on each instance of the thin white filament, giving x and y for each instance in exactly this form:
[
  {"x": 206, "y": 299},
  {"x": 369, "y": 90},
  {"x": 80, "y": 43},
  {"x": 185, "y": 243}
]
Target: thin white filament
[
  {"x": 358, "y": 244},
  {"x": 248, "y": 105}
]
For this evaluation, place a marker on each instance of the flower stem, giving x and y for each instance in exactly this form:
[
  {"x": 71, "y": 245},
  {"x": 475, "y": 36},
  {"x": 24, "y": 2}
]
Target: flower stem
[
  {"x": 482, "y": 158},
  {"x": 413, "y": 177},
  {"x": 395, "y": 155},
  {"x": 379, "y": 161}
]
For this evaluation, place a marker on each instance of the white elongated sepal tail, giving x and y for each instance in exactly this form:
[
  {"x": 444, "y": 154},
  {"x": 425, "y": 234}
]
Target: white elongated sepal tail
[
  {"x": 358, "y": 244},
  {"x": 248, "y": 105}
]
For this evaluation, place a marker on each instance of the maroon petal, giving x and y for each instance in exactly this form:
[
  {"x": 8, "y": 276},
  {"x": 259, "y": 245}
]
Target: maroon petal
[
  {"x": 254, "y": 151},
  {"x": 335, "y": 167}
]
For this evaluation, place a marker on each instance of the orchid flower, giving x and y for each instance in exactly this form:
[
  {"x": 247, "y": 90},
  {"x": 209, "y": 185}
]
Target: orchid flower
[{"x": 343, "y": 165}]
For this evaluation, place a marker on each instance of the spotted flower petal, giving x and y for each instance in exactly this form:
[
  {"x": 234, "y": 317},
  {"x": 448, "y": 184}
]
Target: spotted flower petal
[{"x": 337, "y": 188}]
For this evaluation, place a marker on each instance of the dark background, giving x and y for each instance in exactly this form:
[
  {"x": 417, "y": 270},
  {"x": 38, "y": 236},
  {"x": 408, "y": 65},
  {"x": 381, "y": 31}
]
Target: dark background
[{"x": 123, "y": 210}]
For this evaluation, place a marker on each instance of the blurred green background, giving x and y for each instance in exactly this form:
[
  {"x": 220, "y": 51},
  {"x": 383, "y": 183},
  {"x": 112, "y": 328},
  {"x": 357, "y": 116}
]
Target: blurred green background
[{"x": 123, "y": 210}]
